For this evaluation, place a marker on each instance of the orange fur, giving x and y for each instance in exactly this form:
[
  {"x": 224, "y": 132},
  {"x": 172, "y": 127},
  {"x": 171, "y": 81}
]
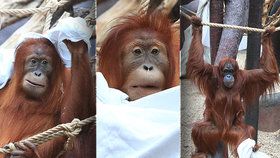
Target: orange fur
[
  {"x": 225, "y": 108},
  {"x": 21, "y": 116},
  {"x": 110, "y": 56}
]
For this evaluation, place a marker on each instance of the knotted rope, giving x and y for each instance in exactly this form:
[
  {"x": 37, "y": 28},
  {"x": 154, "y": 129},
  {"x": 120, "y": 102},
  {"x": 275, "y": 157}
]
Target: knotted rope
[{"x": 71, "y": 130}]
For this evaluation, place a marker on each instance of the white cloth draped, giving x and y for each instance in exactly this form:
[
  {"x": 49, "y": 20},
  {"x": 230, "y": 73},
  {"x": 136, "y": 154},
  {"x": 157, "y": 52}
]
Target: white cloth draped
[{"x": 145, "y": 128}]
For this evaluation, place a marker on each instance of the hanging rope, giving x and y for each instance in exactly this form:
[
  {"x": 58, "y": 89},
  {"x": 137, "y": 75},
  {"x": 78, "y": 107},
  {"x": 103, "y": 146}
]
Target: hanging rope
[
  {"x": 144, "y": 6},
  {"x": 53, "y": 5}
]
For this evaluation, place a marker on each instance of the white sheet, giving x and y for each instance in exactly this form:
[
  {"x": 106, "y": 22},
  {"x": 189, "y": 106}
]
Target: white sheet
[
  {"x": 146, "y": 128},
  {"x": 245, "y": 150},
  {"x": 7, "y": 57}
]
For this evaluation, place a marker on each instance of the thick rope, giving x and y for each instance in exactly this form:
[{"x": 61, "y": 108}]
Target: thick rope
[
  {"x": 70, "y": 130},
  {"x": 144, "y": 6},
  {"x": 24, "y": 12},
  {"x": 243, "y": 28},
  {"x": 49, "y": 9},
  {"x": 53, "y": 4}
]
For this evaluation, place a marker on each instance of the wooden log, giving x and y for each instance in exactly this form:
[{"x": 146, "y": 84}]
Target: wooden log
[{"x": 68, "y": 7}]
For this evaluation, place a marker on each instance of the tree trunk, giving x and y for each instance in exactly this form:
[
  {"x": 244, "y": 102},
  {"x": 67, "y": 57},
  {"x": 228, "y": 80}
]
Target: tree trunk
[
  {"x": 236, "y": 14},
  {"x": 216, "y": 16}
]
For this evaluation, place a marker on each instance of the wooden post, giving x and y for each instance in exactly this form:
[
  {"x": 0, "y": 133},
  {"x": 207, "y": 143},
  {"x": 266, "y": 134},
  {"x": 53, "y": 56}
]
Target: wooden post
[{"x": 252, "y": 58}]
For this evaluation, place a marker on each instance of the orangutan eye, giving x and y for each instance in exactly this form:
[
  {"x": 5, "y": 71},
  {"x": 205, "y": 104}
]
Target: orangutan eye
[
  {"x": 231, "y": 71},
  {"x": 44, "y": 62},
  {"x": 137, "y": 51},
  {"x": 155, "y": 51},
  {"x": 33, "y": 61}
]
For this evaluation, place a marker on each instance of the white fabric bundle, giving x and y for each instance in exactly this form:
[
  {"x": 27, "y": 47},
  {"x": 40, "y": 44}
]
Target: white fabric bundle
[
  {"x": 73, "y": 29},
  {"x": 148, "y": 127},
  {"x": 245, "y": 150}
]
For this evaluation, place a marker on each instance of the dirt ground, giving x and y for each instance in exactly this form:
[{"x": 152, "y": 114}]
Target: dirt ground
[{"x": 192, "y": 107}]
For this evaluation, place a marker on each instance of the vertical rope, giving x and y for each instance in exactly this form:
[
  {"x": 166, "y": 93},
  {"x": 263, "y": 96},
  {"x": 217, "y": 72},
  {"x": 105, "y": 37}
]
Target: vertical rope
[
  {"x": 144, "y": 6},
  {"x": 49, "y": 14}
]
